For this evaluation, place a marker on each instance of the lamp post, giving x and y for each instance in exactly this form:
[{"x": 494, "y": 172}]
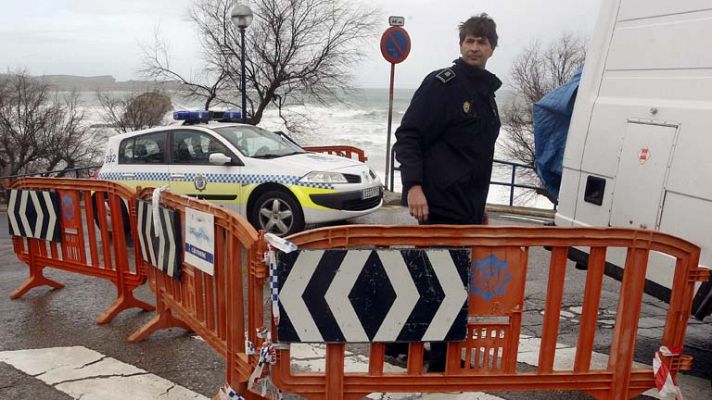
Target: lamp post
[{"x": 241, "y": 16}]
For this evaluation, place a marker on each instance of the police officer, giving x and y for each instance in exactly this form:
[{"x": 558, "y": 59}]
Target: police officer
[{"x": 445, "y": 143}]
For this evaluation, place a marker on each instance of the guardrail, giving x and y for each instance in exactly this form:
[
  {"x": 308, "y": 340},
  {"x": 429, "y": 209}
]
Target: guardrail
[{"x": 341, "y": 151}]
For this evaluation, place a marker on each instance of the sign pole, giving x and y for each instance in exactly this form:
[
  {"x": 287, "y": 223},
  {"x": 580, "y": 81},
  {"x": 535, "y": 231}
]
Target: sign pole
[
  {"x": 390, "y": 120},
  {"x": 395, "y": 47}
]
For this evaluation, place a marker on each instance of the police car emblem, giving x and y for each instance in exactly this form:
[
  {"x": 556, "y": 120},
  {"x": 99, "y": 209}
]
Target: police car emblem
[
  {"x": 200, "y": 182},
  {"x": 467, "y": 106}
]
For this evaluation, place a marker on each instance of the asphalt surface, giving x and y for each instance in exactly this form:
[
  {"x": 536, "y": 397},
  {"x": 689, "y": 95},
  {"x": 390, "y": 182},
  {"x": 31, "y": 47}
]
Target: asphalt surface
[{"x": 54, "y": 318}]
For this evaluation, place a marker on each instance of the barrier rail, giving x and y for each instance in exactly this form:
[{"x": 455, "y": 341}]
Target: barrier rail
[
  {"x": 486, "y": 360},
  {"x": 341, "y": 151},
  {"x": 92, "y": 215},
  {"x": 213, "y": 306}
]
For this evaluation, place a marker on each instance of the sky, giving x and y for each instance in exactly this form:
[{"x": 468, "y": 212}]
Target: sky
[{"x": 100, "y": 37}]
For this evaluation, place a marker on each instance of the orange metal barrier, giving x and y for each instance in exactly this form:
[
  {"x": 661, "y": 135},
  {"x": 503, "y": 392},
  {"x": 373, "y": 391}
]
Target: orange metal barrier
[
  {"x": 228, "y": 307},
  {"x": 341, "y": 151},
  {"x": 93, "y": 217},
  {"x": 213, "y": 306},
  {"x": 487, "y": 360}
]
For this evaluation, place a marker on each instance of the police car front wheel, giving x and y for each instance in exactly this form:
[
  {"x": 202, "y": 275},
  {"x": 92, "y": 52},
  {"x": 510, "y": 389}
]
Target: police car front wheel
[{"x": 277, "y": 212}]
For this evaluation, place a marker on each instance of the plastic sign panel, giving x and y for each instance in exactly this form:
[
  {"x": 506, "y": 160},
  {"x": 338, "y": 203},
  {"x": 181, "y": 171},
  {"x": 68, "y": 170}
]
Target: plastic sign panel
[
  {"x": 396, "y": 21},
  {"x": 395, "y": 44},
  {"x": 200, "y": 240}
]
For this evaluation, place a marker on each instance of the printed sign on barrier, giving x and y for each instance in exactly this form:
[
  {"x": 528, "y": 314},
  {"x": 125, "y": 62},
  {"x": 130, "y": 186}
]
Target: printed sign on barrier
[
  {"x": 200, "y": 240},
  {"x": 408, "y": 295}
]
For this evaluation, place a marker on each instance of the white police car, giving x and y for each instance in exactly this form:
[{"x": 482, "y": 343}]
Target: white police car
[{"x": 263, "y": 175}]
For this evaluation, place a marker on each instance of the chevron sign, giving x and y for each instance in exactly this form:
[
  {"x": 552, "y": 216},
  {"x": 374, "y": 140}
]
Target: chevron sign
[
  {"x": 34, "y": 214},
  {"x": 162, "y": 250},
  {"x": 407, "y": 295}
]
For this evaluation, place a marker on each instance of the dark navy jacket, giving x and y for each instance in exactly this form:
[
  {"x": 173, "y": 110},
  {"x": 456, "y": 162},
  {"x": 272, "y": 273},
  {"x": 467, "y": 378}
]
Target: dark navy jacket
[{"x": 446, "y": 142}]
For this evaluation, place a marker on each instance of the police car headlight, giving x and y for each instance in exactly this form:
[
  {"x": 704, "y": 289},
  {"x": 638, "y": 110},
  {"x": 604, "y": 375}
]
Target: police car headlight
[{"x": 323, "y": 177}]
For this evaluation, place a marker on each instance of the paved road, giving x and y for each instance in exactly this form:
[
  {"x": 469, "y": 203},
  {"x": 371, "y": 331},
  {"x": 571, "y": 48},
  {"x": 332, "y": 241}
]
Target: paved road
[{"x": 63, "y": 321}]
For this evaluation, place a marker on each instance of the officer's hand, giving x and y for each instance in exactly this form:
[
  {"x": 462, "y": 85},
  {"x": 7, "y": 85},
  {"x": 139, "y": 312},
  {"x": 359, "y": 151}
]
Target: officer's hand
[{"x": 418, "y": 204}]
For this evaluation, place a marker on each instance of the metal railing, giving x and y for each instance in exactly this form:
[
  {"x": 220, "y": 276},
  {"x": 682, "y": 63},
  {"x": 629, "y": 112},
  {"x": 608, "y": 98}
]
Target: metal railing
[{"x": 512, "y": 182}]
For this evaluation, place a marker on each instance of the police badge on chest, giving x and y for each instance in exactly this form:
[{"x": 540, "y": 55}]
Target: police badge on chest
[{"x": 468, "y": 108}]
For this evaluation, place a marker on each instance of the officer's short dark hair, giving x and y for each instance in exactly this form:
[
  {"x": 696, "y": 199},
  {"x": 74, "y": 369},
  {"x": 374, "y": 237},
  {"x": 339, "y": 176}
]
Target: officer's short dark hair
[{"x": 479, "y": 26}]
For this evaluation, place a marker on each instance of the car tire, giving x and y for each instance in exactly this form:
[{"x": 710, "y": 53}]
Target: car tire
[{"x": 277, "y": 212}]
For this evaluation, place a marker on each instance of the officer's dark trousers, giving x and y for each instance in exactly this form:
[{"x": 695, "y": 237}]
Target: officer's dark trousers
[{"x": 437, "y": 354}]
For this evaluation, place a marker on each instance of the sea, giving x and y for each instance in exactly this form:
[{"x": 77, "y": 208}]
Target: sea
[{"x": 358, "y": 118}]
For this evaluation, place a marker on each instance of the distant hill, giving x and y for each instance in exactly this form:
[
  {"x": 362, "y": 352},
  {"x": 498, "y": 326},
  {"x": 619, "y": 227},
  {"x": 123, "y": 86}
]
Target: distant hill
[{"x": 102, "y": 83}]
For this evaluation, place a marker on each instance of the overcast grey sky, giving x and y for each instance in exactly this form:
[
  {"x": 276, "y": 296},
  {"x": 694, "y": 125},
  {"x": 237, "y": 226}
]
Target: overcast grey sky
[{"x": 100, "y": 37}]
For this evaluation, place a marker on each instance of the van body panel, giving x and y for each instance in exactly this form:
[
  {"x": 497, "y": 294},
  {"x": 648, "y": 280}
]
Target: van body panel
[{"x": 642, "y": 124}]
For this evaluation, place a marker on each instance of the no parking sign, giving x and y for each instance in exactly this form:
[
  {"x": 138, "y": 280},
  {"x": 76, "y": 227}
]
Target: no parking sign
[{"x": 395, "y": 44}]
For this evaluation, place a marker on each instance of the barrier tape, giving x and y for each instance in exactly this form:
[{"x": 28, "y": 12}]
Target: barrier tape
[
  {"x": 227, "y": 393},
  {"x": 273, "y": 284},
  {"x": 260, "y": 381},
  {"x": 250, "y": 348},
  {"x": 274, "y": 241},
  {"x": 663, "y": 380},
  {"x": 156, "y": 200}
]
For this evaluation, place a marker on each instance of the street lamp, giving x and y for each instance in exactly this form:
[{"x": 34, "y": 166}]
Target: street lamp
[{"x": 242, "y": 18}]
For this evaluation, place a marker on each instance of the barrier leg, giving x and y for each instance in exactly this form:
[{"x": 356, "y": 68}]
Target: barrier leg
[
  {"x": 36, "y": 279},
  {"x": 123, "y": 302},
  {"x": 163, "y": 320},
  {"x": 335, "y": 364}
]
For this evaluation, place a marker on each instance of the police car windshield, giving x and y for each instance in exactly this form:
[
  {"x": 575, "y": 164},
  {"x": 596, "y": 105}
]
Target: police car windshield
[{"x": 256, "y": 142}]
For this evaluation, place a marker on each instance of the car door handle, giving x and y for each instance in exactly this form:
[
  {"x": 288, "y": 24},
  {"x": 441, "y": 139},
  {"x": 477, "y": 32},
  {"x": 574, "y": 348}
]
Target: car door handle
[
  {"x": 177, "y": 176},
  {"x": 128, "y": 175}
]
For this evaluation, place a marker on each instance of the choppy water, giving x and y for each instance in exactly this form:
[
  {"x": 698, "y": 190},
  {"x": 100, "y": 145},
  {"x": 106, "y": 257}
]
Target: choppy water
[{"x": 361, "y": 120}]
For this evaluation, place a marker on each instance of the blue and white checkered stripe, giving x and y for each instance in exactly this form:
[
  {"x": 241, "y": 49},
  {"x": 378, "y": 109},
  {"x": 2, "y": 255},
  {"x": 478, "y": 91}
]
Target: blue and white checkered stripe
[
  {"x": 273, "y": 284},
  {"x": 244, "y": 179}
]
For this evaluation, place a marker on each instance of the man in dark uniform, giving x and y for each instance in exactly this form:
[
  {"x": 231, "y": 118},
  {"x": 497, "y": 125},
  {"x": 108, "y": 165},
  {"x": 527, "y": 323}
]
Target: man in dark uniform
[{"x": 445, "y": 143}]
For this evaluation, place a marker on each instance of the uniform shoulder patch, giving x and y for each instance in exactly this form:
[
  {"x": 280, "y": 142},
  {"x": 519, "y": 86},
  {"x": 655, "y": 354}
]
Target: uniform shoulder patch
[{"x": 446, "y": 75}]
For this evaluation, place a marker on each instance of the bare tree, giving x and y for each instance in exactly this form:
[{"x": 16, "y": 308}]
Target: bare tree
[
  {"x": 294, "y": 48},
  {"x": 133, "y": 112},
  {"x": 40, "y": 129},
  {"x": 536, "y": 71}
]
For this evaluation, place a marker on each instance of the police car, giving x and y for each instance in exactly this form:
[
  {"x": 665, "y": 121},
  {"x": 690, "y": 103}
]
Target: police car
[{"x": 263, "y": 175}]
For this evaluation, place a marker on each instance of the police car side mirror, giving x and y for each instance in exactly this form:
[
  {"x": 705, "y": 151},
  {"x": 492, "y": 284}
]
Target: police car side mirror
[{"x": 219, "y": 159}]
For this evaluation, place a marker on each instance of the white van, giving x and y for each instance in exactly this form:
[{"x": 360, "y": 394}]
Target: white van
[{"x": 638, "y": 151}]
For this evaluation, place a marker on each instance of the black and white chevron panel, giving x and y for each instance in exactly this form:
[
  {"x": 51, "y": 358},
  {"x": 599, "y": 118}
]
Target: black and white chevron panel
[
  {"x": 163, "y": 251},
  {"x": 356, "y": 296},
  {"x": 34, "y": 214}
]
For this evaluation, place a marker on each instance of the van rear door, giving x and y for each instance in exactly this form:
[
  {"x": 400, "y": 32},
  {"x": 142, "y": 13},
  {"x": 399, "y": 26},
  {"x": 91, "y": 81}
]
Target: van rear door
[{"x": 642, "y": 171}]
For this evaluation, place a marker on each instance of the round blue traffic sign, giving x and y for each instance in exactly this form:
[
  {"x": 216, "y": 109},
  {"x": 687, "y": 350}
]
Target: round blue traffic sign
[{"x": 395, "y": 44}]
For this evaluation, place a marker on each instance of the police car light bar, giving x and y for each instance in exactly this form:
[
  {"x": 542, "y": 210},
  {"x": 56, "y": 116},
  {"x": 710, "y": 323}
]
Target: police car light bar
[
  {"x": 205, "y": 116},
  {"x": 191, "y": 115}
]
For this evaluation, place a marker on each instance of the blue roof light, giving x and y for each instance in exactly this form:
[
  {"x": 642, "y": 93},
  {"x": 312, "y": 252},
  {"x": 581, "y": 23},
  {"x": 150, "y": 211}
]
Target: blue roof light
[
  {"x": 191, "y": 115},
  {"x": 232, "y": 116}
]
